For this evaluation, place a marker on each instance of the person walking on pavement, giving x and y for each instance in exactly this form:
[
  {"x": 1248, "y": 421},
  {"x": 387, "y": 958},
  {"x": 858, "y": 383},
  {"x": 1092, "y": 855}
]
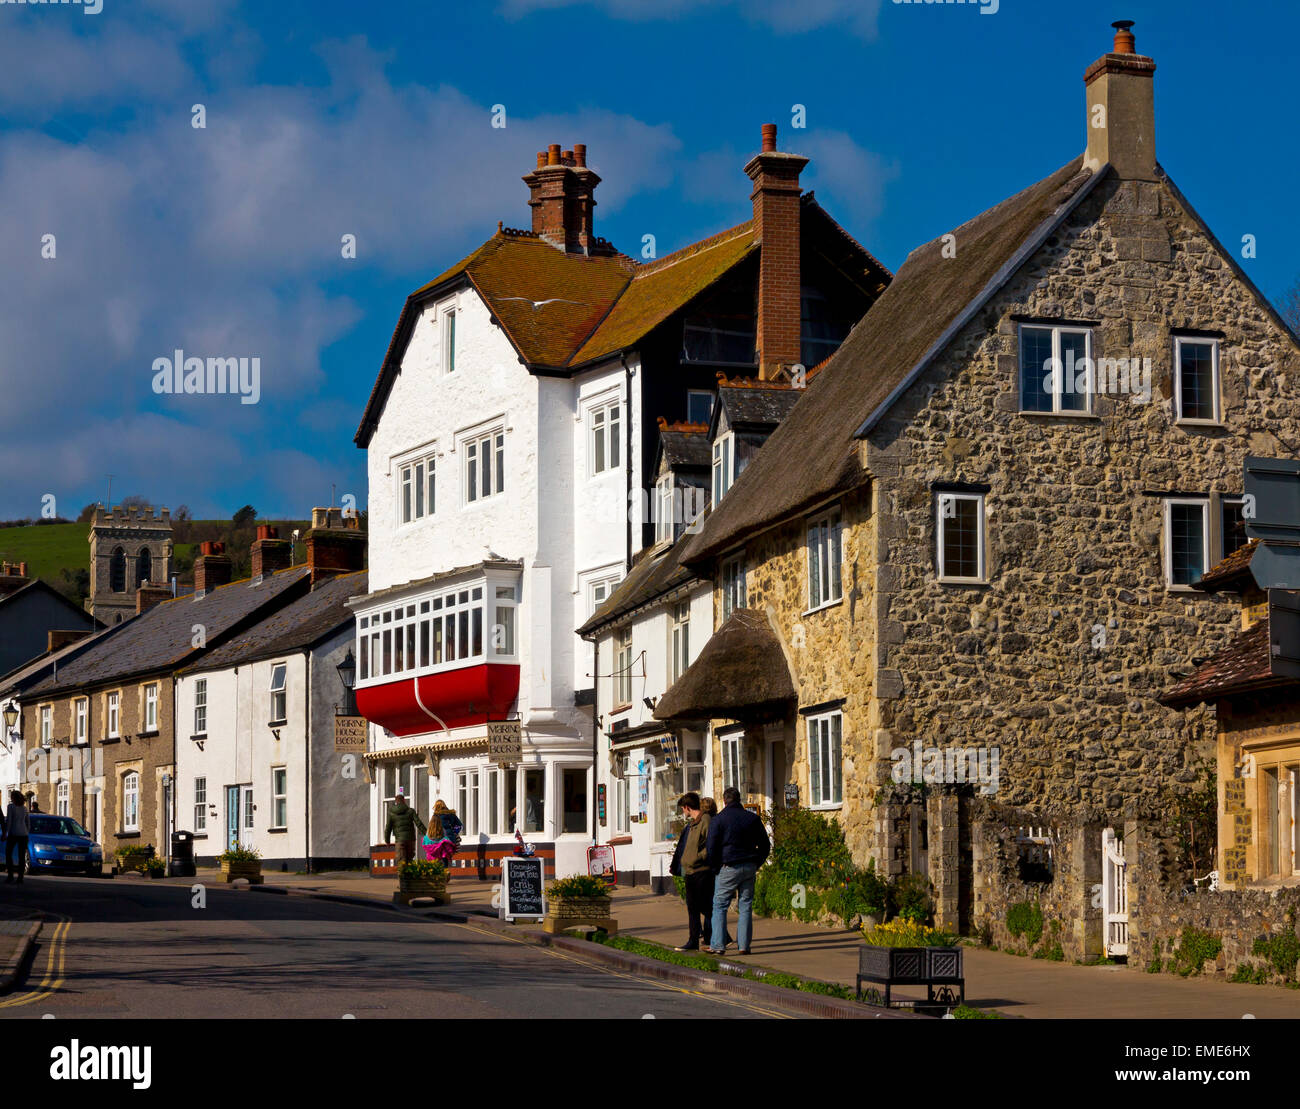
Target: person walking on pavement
[
  {"x": 709, "y": 807},
  {"x": 402, "y": 823},
  {"x": 691, "y": 863},
  {"x": 16, "y": 833},
  {"x": 443, "y": 836},
  {"x": 738, "y": 846}
]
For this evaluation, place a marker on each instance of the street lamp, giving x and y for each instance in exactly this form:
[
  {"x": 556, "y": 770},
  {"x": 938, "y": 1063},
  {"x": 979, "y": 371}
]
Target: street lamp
[
  {"x": 348, "y": 675},
  {"x": 11, "y": 716}
]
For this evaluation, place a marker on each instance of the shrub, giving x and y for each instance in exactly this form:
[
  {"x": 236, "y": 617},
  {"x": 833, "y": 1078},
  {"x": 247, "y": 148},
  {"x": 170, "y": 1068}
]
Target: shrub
[
  {"x": 912, "y": 898},
  {"x": 239, "y": 854},
  {"x": 906, "y": 933},
  {"x": 809, "y": 847},
  {"x": 1025, "y": 918},
  {"x": 579, "y": 885},
  {"x": 1194, "y": 949},
  {"x": 1156, "y": 965},
  {"x": 422, "y": 868},
  {"x": 1255, "y": 975},
  {"x": 135, "y": 857},
  {"x": 1282, "y": 952},
  {"x": 155, "y": 867},
  {"x": 969, "y": 1012}
]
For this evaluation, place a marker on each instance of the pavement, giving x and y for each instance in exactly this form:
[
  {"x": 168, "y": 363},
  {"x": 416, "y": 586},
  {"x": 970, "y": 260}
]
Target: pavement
[
  {"x": 17, "y": 939},
  {"x": 1010, "y": 984}
]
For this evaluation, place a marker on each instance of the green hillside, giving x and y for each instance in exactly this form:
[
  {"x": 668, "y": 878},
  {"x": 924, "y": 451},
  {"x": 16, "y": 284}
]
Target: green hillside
[{"x": 47, "y": 549}]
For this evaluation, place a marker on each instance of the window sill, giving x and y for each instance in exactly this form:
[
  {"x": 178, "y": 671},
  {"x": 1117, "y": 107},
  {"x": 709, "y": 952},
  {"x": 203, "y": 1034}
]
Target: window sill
[
  {"x": 107, "y": 740},
  {"x": 616, "y": 710},
  {"x": 276, "y": 831},
  {"x": 1200, "y": 423},
  {"x": 1056, "y": 415},
  {"x": 980, "y": 582},
  {"x": 277, "y": 723},
  {"x": 148, "y": 734},
  {"x": 127, "y": 835},
  {"x": 822, "y": 607},
  {"x": 199, "y": 736},
  {"x": 1171, "y": 588},
  {"x": 827, "y": 808}
]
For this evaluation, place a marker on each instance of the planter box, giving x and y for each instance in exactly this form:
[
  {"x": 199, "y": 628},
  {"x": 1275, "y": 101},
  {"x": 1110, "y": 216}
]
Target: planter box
[
  {"x": 573, "y": 912},
  {"x": 250, "y": 869},
  {"x": 410, "y": 888},
  {"x": 914, "y": 966}
]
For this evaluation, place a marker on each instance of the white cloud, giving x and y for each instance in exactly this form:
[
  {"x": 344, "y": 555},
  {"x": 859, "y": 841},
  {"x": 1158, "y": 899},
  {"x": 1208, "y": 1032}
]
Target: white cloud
[{"x": 859, "y": 16}]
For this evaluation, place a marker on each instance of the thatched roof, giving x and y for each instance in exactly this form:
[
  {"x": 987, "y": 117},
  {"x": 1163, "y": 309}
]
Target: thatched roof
[
  {"x": 741, "y": 672},
  {"x": 812, "y": 454}
]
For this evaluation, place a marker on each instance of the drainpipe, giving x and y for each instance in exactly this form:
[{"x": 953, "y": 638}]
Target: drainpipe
[{"x": 595, "y": 740}]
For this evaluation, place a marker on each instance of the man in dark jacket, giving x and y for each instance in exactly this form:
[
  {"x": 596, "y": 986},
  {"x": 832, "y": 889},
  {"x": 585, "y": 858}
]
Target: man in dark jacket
[
  {"x": 738, "y": 846},
  {"x": 402, "y": 822},
  {"x": 691, "y": 864}
]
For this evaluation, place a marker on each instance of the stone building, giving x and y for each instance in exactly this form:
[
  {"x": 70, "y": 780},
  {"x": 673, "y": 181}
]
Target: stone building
[
  {"x": 974, "y": 538},
  {"x": 129, "y": 547}
]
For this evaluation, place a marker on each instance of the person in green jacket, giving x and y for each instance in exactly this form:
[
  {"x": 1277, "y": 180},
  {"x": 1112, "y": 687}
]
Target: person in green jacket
[{"x": 402, "y": 823}]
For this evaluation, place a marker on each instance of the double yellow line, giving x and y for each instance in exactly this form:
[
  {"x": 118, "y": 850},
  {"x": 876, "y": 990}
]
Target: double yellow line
[{"x": 54, "y": 962}]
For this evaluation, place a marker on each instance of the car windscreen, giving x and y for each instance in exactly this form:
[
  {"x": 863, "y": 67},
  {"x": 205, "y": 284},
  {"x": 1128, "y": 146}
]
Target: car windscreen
[{"x": 43, "y": 825}]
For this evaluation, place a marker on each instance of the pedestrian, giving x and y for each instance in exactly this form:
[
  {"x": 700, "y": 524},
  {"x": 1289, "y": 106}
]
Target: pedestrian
[
  {"x": 738, "y": 846},
  {"x": 402, "y": 822},
  {"x": 443, "y": 837},
  {"x": 691, "y": 864},
  {"x": 710, "y": 809},
  {"x": 16, "y": 835}
]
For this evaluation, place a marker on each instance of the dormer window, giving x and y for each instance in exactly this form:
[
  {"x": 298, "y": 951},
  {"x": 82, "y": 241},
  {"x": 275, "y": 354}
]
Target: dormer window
[
  {"x": 664, "y": 508},
  {"x": 724, "y": 461}
]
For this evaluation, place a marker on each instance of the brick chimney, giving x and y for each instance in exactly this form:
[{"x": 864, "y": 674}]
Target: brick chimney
[
  {"x": 211, "y": 568},
  {"x": 149, "y": 595},
  {"x": 776, "y": 227},
  {"x": 270, "y": 552},
  {"x": 560, "y": 194},
  {"x": 1121, "y": 109},
  {"x": 58, "y": 638},
  {"x": 335, "y": 545}
]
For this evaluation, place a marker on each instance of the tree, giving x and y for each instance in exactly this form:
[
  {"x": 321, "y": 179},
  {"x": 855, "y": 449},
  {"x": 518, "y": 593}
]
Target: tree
[
  {"x": 75, "y": 584},
  {"x": 87, "y": 514},
  {"x": 244, "y": 516},
  {"x": 1290, "y": 306},
  {"x": 133, "y": 501},
  {"x": 182, "y": 513}
]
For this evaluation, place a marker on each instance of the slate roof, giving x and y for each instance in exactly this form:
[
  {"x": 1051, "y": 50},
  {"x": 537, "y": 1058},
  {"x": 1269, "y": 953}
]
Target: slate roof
[
  {"x": 655, "y": 571},
  {"x": 742, "y": 671},
  {"x": 755, "y": 405},
  {"x": 1232, "y": 572},
  {"x": 36, "y": 585},
  {"x": 685, "y": 446},
  {"x": 26, "y": 674},
  {"x": 597, "y": 305},
  {"x": 813, "y": 453},
  {"x": 1244, "y": 665},
  {"x": 160, "y": 639},
  {"x": 297, "y": 626}
]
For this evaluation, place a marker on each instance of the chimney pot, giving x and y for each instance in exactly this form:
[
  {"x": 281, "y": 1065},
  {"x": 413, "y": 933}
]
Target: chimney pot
[
  {"x": 580, "y": 153},
  {"x": 567, "y": 158},
  {"x": 553, "y": 154},
  {"x": 1125, "y": 43},
  {"x": 541, "y": 158},
  {"x": 769, "y": 137},
  {"x": 267, "y": 531}
]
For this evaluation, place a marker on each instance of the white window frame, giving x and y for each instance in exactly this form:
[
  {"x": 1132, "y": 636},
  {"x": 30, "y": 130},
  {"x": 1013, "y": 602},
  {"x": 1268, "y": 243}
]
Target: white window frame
[
  {"x": 280, "y": 798},
  {"x": 622, "y": 671},
  {"x": 600, "y": 587},
  {"x": 467, "y": 794},
  {"x": 606, "y": 417},
  {"x": 47, "y": 725},
  {"x": 409, "y": 511},
  {"x": 560, "y": 770},
  {"x": 664, "y": 509},
  {"x": 940, "y": 521},
  {"x": 679, "y": 638},
  {"x": 724, "y": 465},
  {"x": 1195, "y": 340},
  {"x": 151, "y": 707},
  {"x": 472, "y": 445},
  {"x": 200, "y": 805},
  {"x": 621, "y": 802},
  {"x": 734, "y": 592},
  {"x": 731, "y": 746},
  {"x": 246, "y": 812},
  {"x": 113, "y": 715},
  {"x": 825, "y": 549},
  {"x": 825, "y": 733},
  {"x": 1203, "y": 503},
  {"x": 131, "y": 801},
  {"x": 280, "y": 691},
  {"x": 63, "y": 799},
  {"x": 200, "y": 706},
  {"x": 81, "y": 716},
  {"x": 447, "y": 340},
  {"x": 1057, "y": 331}
]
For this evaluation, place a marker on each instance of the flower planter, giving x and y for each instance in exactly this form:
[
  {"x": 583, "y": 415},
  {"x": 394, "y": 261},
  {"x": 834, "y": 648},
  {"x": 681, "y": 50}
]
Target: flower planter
[
  {"x": 574, "y": 912},
  {"x": 409, "y": 888},
  {"x": 242, "y": 868},
  {"x": 930, "y": 967}
]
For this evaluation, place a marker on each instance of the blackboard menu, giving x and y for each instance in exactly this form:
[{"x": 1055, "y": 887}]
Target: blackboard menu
[{"x": 523, "y": 882}]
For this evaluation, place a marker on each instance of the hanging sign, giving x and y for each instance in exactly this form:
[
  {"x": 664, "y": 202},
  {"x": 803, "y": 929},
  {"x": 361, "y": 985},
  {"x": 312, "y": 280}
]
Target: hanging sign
[
  {"x": 505, "y": 742},
  {"x": 350, "y": 733}
]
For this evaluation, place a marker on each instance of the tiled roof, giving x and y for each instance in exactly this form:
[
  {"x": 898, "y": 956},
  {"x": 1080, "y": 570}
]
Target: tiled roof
[
  {"x": 1233, "y": 571},
  {"x": 162, "y": 638},
  {"x": 655, "y": 572},
  {"x": 813, "y": 453},
  {"x": 685, "y": 446},
  {"x": 296, "y": 626},
  {"x": 1243, "y": 665}
]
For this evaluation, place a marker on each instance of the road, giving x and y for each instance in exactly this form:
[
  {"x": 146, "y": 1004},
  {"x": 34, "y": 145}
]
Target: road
[{"x": 135, "y": 949}]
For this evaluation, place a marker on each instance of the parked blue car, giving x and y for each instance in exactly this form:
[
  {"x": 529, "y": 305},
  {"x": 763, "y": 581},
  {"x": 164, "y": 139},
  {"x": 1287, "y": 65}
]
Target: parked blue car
[{"x": 58, "y": 844}]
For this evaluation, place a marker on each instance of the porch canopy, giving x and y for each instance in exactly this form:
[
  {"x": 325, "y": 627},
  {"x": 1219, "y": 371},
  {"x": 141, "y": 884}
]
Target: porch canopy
[{"x": 741, "y": 673}]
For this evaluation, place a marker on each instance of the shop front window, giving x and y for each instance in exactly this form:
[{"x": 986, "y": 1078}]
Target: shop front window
[
  {"x": 533, "y": 816},
  {"x": 574, "y": 782}
]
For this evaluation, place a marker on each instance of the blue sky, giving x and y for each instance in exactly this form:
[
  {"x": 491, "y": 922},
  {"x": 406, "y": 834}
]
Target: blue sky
[{"x": 331, "y": 118}]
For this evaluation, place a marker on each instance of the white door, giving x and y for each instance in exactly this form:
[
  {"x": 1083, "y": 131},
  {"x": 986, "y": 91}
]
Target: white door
[
  {"x": 246, "y": 816},
  {"x": 1114, "y": 894}
]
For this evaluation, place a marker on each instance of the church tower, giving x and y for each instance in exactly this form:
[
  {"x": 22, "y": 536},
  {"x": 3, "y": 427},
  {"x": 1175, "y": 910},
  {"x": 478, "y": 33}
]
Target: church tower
[{"x": 128, "y": 547}]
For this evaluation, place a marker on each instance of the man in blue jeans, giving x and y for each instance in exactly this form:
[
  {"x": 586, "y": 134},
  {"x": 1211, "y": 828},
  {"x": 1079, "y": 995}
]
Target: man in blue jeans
[{"x": 738, "y": 846}]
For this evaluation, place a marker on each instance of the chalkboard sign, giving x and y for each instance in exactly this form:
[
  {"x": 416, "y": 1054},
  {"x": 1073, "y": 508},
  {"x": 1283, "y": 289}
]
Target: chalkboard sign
[{"x": 523, "y": 885}]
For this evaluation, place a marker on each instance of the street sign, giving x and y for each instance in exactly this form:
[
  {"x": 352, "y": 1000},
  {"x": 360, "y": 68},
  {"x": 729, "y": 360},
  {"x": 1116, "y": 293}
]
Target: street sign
[
  {"x": 505, "y": 741},
  {"x": 350, "y": 733},
  {"x": 601, "y": 863}
]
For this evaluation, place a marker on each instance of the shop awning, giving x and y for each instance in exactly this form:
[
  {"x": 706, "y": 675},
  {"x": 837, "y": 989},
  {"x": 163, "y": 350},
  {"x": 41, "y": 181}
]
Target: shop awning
[
  {"x": 437, "y": 746},
  {"x": 741, "y": 673}
]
